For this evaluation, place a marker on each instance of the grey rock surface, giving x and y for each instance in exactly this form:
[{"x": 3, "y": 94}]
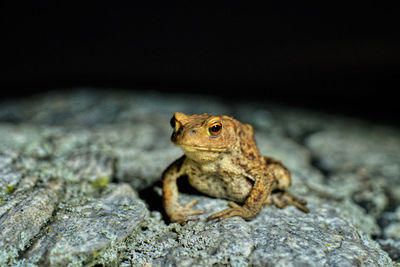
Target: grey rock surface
[
  {"x": 81, "y": 231},
  {"x": 80, "y": 185}
]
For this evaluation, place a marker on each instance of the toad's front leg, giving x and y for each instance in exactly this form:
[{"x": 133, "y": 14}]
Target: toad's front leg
[
  {"x": 254, "y": 203},
  {"x": 176, "y": 212}
]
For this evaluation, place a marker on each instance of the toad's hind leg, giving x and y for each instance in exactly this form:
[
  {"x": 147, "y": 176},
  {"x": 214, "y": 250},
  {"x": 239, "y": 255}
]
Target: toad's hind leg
[
  {"x": 282, "y": 199},
  {"x": 280, "y": 172},
  {"x": 279, "y": 197}
]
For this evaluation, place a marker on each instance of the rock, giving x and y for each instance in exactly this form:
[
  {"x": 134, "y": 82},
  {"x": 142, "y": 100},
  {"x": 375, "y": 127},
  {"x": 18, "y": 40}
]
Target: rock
[
  {"x": 352, "y": 149},
  {"x": 72, "y": 162},
  {"x": 80, "y": 233},
  {"x": 274, "y": 238},
  {"x": 392, "y": 247},
  {"x": 330, "y": 240},
  {"x": 24, "y": 215},
  {"x": 393, "y": 231},
  {"x": 9, "y": 175},
  {"x": 370, "y": 155}
]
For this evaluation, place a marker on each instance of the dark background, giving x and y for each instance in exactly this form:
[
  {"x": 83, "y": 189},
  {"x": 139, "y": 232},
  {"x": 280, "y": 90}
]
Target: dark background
[{"x": 336, "y": 58}]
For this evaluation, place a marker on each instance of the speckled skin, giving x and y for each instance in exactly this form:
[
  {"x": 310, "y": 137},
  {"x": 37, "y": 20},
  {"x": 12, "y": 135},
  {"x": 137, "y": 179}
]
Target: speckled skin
[{"x": 227, "y": 165}]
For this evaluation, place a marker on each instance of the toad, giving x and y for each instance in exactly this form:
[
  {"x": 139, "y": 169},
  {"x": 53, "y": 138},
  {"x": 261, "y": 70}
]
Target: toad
[{"x": 221, "y": 159}]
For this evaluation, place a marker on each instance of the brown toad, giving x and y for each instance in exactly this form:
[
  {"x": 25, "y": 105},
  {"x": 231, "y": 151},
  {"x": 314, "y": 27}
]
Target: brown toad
[{"x": 222, "y": 160}]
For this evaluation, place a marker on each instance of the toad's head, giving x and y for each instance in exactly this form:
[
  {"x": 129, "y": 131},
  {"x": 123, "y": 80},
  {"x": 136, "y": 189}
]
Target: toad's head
[{"x": 203, "y": 137}]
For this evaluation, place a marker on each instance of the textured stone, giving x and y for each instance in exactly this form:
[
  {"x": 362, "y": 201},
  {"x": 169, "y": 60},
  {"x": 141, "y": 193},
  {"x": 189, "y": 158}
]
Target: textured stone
[
  {"x": 392, "y": 247},
  {"x": 80, "y": 233},
  {"x": 355, "y": 148},
  {"x": 274, "y": 238},
  {"x": 70, "y": 163},
  {"x": 24, "y": 215},
  {"x": 9, "y": 175}
]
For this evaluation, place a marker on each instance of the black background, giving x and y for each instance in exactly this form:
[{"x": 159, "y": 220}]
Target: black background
[{"x": 337, "y": 58}]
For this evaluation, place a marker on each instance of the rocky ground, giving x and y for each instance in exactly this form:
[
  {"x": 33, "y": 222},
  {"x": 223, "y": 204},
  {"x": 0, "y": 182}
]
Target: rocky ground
[{"x": 80, "y": 185}]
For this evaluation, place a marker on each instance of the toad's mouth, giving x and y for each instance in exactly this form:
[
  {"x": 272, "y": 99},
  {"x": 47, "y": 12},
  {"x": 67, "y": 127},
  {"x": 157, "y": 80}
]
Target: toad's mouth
[{"x": 202, "y": 148}]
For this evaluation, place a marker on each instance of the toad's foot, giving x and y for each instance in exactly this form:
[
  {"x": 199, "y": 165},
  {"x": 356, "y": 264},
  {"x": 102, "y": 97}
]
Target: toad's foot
[
  {"x": 180, "y": 213},
  {"x": 234, "y": 210},
  {"x": 284, "y": 199}
]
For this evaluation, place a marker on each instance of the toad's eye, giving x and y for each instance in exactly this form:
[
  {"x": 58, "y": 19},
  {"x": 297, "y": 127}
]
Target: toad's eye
[{"x": 215, "y": 128}]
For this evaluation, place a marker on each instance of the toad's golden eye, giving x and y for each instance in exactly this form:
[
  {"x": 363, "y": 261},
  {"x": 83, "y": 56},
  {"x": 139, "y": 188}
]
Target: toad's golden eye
[{"x": 215, "y": 128}]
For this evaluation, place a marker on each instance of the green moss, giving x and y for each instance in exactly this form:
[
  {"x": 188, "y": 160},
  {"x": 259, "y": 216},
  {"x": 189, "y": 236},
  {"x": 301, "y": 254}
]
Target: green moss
[
  {"x": 101, "y": 182},
  {"x": 9, "y": 189}
]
